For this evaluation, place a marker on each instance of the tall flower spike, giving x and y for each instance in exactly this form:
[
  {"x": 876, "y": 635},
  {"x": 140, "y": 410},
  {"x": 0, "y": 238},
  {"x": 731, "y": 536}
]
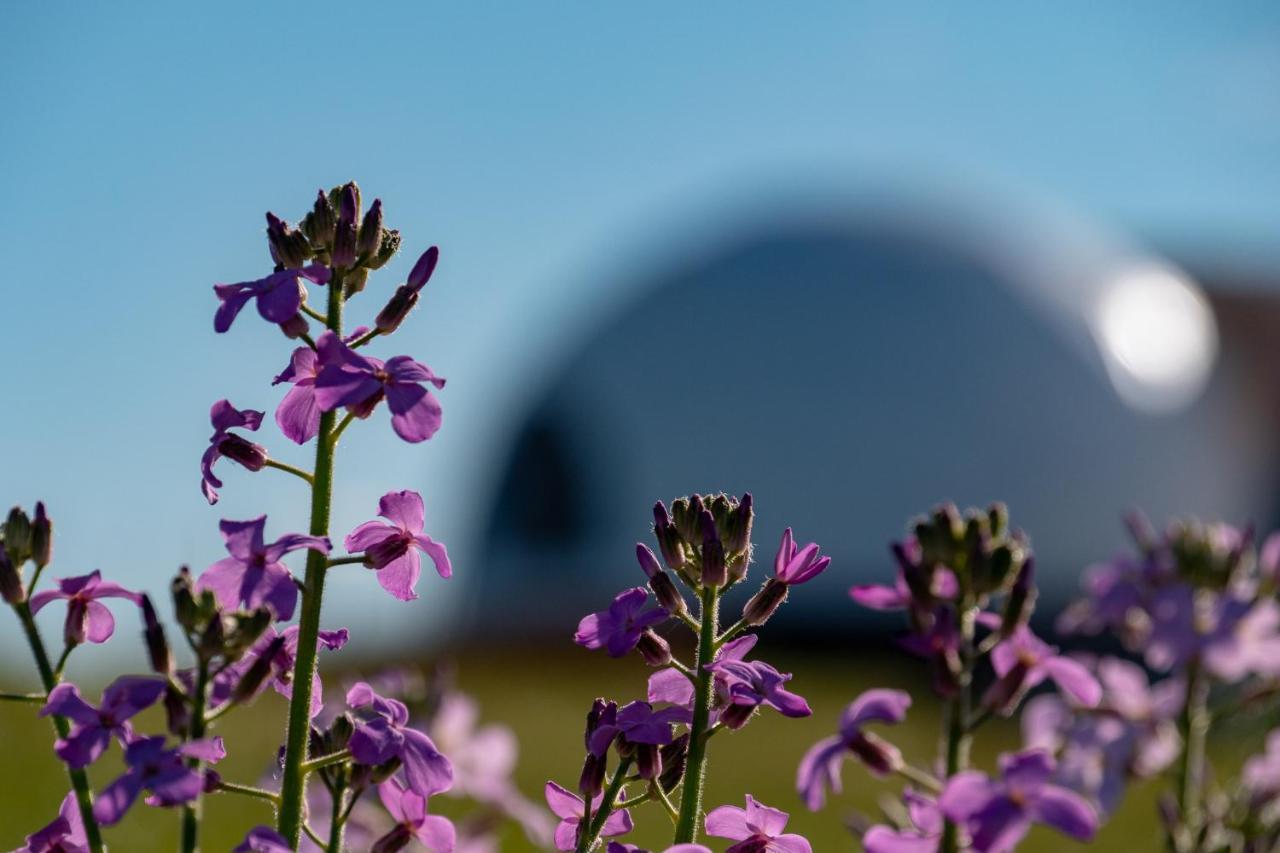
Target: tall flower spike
[{"x": 392, "y": 549}]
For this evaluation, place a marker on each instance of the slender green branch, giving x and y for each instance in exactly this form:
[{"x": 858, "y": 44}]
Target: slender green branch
[
  {"x": 732, "y": 631},
  {"x": 341, "y": 428},
  {"x": 313, "y": 313},
  {"x": 920, "y": 777},
  {"x": 290, "y": 822},
  {"x": 678, "y": 667},
  {"x": 289, "y": 469},
  {"x": 655, "y": 788},
  {"x": 689, "y": 621},
  {"x": 591, "y": 830},
  {"x": 191, "y": 812},
  {"x": 365, "y": 338},
  {"x": 306, "y": 339},
  {"x": 79, "y": 779},
  {"x": 62, "y": 660},
  {"x": 695, "y": 767},
  {"x": 345, "y": 561},
  {"x": 249, "y": 791},
  {"x": 33, "y": 698},
  {"x": 313, "y": 835},
  {"x": 326, "y": 761},
  {"x": 35, "y": 578}
]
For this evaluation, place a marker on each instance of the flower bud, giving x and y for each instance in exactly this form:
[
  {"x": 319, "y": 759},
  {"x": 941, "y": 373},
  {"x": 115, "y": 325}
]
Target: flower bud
[
  {"x": 17, "y": 536},
  {"x": 256, "y": 675},
  {"x": 185, "y": 609},
  {"x": 344, "y": 244},
  {"x": 669, "y": 540},
  {"x": 153, "y": 634},
  {"x": 41, "y": 537},
  {"x": 599, "y": 708},
  {"x": 239, "y": 449},
  {"x": 348, "y": 203},
  {"x": 714, "y": 570},
  {"x": 396, "y": 309},
  {"x": 176, "y": 711},
  {"x": 664, "y": 589},
  {"x": 295, "y": 327},
  {"x": 289, "y": 247},
  {"x": 245, "y": 630},
  {"x": 739, "y": 526},
  {"x": 655, "y": 650},
  {"x": 687, "y": 515},
  {"x": 354, "y": 282},
  {"x": 591, "y": 780},
  {"x": 10, "y": 580},
  {"x": 998, "y": 519},
  {"x": 397, "y": 839},
  {"x": 765, "y": 602},
  {"x": 422, "y": 270},
  {"x": 340, "y": 732},
  {"x": 1022, "y": 599},
  {"x": 386, "y": 250},
  {"x": 370, "y": 239},
  {"x": 212, "y": 639},
  {"x": 385, "y": 771},
  {"x": 674, "y": 757},
  {"x": 648, "y": 562},
  {"x": 648, "y": 761},
  {"x": 879, "y": 756},
  {"x": 320, "y": 224}
]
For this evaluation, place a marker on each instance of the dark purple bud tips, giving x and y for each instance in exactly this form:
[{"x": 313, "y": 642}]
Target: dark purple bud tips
[
  {"x": 239, "y": 449},
  {"x": 765, "y": 602}
]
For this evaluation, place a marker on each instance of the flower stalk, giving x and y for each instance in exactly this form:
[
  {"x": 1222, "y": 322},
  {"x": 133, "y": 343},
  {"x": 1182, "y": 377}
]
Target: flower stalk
[
  {"x": 591, "y": 828},
  {"x": 959, "y": 728},
  {"x": 695, "y": 772},
  {"x": 191, "y": 812},
  {"x": 1193, "y": 725}
]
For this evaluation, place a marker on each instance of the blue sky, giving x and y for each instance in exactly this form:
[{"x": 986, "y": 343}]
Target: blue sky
[{"x": 547, "y": 150}]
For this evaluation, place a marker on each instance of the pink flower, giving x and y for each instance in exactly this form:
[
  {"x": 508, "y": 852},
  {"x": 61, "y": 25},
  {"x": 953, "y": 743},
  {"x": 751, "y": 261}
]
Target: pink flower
[
  {"x": 392, "y": 549},
  {"x": 87, "y": 618}
]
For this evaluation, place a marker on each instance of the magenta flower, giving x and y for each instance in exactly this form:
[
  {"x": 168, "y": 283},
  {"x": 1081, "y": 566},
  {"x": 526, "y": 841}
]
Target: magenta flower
[
  {"x": 671, "y": 685},
  {"x": 298, "y": 414},
  {"x": 94, "y": 727},
  {"x": 747, "y": 685},
  {"x": 921, "y": 837},
  {"x": 223, "y": 442},
  {"x": 409, "y": 810},
  {"x": 154, "y": 767},
  {"x": 253, "y": 574},
  {"x": 382, "y": 733},
  {"x": 569, "y": 808},
  {"x": 820, "y": 768},
  {"x": 359, "y": 383},
  {"x": 1261, "y": 773},
  {"x": 392, "y": 549},
  {"x": 65, "y": 834},
  {"x": 999, "y": 813},
  {"x": 262, "y": 839},
  {"x": 87, "y": 618},
  {"x": 795, "y": 566},
  {"x": 284, "y": 658},
  {"x": 279, "y": 295},
  {"x": 755, "y": 828},
  {"x": 1025, "y": 658},
  {"x": 618, "y": 629},
  {"x": 637, "y": 723}
]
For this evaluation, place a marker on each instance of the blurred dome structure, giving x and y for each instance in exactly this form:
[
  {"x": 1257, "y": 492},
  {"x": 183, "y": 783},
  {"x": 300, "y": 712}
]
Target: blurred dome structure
[{"x": 852, "y": 371}]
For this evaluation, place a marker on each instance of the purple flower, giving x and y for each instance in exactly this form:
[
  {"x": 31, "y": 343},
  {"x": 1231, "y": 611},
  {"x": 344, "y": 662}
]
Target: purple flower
[
  {"x": 795, "y": 566},
  {"x": 284, "y": 658},
  {"x": 262, "y": 839},
  {"x": 406, "y": 295},
  {"x": 409, "y": 810},
  {"x": 94, "y": 727},
  {"x": 298, "y": 414},
  {"x": 755, "y": 828},
  {"x": 569, "y": 808},
  {"x": 360, "y": 383},
  {"x": 1245, "y": 639},
  {"x": 1261, "y": 773},
  {"x": 253, "y": 574},
  {"x": 942, "y": 583},
  {"x": 392, "y": 549},
  {"x": 1027, "y": 660},
  {"x": 638, "y": 723},
  {"x": 154, "y": 767},
  {"x": 750, "y": 684},
  {"x": 999, "y": 812},
  {"x": 223, "y": 442},
  {"x": 618, "y": 629},
  {"x": 671, "y": 685},
  {"x": 65, "y": 834},
  {"x": 279, "y": 295},
  {"x": 921, "y": 837},
  {"x": 87, "y": 618},
  {"x": 382, "y": 733},
  {"x": 820, "y": 768}
]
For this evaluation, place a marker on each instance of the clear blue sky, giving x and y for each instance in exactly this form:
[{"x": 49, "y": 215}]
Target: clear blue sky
[{"x": 544, "y": 148}]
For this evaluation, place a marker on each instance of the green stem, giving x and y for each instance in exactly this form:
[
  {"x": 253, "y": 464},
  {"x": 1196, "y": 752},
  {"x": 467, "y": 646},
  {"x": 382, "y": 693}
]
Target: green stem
[
  {"x": 33, "y": 698},
  {"x": 958, "y": 732},
  {"x": 346, "y": 561},
  {"x": 297, "y": 472},
  {"x": 695, "y": 768},
  {"x": 191, "y": 812},
  {"x": 249, "y": 791},
  {"x": 79, "y": 779},
  {"x": 365, "y": 338},
  {"x": 1193, "y": 725},
  {"x": 588, "y": 838},
  {"x": 290, "y": 819},
  {"x": 337, "y": 820},
  {"x": 326, "y": 761}
]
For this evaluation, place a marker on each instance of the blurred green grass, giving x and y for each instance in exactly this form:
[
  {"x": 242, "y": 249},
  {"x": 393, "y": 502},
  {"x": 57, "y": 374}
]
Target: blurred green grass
[{"x": 543, "y": 696}]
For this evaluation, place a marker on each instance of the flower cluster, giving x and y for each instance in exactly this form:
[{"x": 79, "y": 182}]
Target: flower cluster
[{"x": 660, "y": 742}]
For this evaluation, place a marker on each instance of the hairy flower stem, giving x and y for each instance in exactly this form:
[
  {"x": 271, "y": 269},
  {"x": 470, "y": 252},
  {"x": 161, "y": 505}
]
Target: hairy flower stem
[
  {"x": 958, "y": 735},
  {"x": 79, "y": 779},
  {"x": 587, "y": 839},
  {"x": 293, "y": 787},
  {"x": 696, "y": 766},
  {"x": 1193, "y": 725},
  {"x": 191, "y": 812},
  {"x": 337, "y": 817}
]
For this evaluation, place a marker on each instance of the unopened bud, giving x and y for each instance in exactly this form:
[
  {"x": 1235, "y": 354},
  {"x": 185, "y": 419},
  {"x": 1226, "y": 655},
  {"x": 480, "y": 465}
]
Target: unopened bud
[
  {"x": 879, "y": 756},
  {"x": 765, "y": 602},
  {"x": 295, "y": 327},
  {"x": 396, "y": 839},
  {"x": 648, "y": 562},
  {"x": 422, "y": 270},
  {"x": 289, "y": 246},
  {"x": 185, "y": 609},
  {"x": 669, "y": 540},
  {"x": 213, "y": 638},
  {"x": 386, "y": 250},
  {"x": 320, "y": 223},
  {"x": 17, "y": 536},
  {"x": 714, "y": 570},
  {"x": 396, "y": 309},
  {"x": 370, "y": 239},
  {"x": 340, "y": 732},
  {"x": 739, "y": 526},
  {"x": 664, "y": 589},
  {"x": 385, "y": 771},
  {"x": 674, "y": 757},
  {"x": 348, "y": 204},
  {"x": 648, "y": 761},
  {"x": 1022, "y": 599},
  {"x": 153, "y": 634},
  {"x": 655, "y": 650},
  {"x": 10, "y": 581},
  {"x": 344, "y": 244},
  {"x": 354, "y": 281},
  {"x": 998, "y": 519},
  {"x": 687, "y": 515},
  {"x": 237, "y": 448},
  {"x": 41, "y": 537},
  {"x": 245, "y": 631},
  {"x": 591, "y": 780},
  {"x": 256, "y": 675}
]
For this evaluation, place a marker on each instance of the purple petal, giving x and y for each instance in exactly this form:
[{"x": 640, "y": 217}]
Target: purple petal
[
  {"x": 426, "y": 771},
  {"x": 114, "y": 800},
  {"x": 882, "y": 839},
  {"x": 966, "y": 793},
  {"x": 338, "y": 386},
  {"x": 298, "y": 414},
  {"x": 225, "y": 579},
  {"x": 879, "y": 705},
  {"x": 562, "y": 802},
  {"x": 765, "y": 819},
  {"x": 99, "y": 623},
  {"x": 415, "y": 412},
  {"x": 438, "y": 554},
  {"x": 403, "y": 509},
  {"x": 405, "y": 370},
  {"x": 617, "y": 823},
  {"x": 1066, "y": 811},
  {"x": 878, "y": 597},
  {"x": 83, "y": 747},
  {"x": 129, "y": 694},
  {"x": 728, "y": 822},
  {"x": 369, "y": 534},
  {"x": 820, "y": 771},
  {"x": 400, "y": 576},
  {"x": 232, "y": 299},
  {"x": 65, "y": 701},
  {"x": 1074, "y": 680},
  {"x": 437, "y": 833},
  {"x": 291, "y": 542},
  {"x": 374, "y": 742},
  {"x": 281, "y": 298},
  {"x": 670, "y": 685}
]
